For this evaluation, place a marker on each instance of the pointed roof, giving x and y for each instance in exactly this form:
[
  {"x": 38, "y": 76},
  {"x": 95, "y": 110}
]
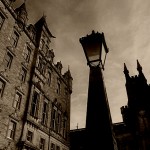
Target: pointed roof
[
  {"x": 22, "y": 7},
  {"x": 139, "y": 67},
  {"x": 42, "y": 22},
  {"x": 141, "y": 75},
  {"x": 126, "y": 72},
  {"x": 68, "y": 73},
  {"x": 125, "y": 69}
]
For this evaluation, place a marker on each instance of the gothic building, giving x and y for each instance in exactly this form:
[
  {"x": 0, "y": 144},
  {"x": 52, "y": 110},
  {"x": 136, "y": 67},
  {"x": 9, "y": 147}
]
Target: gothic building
[
  {"x": 34, "y": 94},
  {"x": 134, "y": 132}
]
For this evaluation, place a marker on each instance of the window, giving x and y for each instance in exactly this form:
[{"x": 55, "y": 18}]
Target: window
[
  {"x": 2, "y": 86},
  {"x": 17, "y": 101},
  {"x": 29, "y": 136},
  {"x": 34, "y": 105},
  {"x": 57, "y": 148},
  {"x": 11, "y": 129},
  {"x": 14, "y": 39},
  {"x": 27, "y": 54},
  {"x": 41, "y": 65},
  {"x": 2, "y": 19},
  {"x": 49, "y": 78},
  {"x": 42, "y": 44},
  {"x": 45, "y": 113},
  {"x": 58, "y": 86},
  {"x": 59, "y": 123},
  {"x": 66, "y": 92},
  {"x": 52, "y": 146},
  {"x": 64, "y": 128},
  {"x": 54, "y": 120},
  {"x": 23, "y": 74},
  {"x": 42, "y": 144},
  {"x": 8, "y": 60},
  {"x": 46, "y": 48}
]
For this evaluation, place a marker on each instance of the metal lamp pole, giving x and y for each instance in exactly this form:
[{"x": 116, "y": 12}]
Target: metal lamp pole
[{"x": 98, "y": 118}]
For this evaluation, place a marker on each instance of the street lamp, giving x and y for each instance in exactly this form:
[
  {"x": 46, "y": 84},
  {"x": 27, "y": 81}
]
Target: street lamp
[
  {"x": 95, "y": 49},
  {"x": 98, "y": 118}
]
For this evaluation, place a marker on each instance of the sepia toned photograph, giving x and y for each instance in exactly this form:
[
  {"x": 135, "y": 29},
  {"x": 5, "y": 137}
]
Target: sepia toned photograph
[{"x": 74, "y": 75}]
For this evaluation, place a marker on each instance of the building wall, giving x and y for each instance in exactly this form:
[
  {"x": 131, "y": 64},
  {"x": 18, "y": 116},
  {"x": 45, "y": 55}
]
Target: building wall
[
  {"x": 11, "y": 77},
  {"x": 18, "y": 122}
]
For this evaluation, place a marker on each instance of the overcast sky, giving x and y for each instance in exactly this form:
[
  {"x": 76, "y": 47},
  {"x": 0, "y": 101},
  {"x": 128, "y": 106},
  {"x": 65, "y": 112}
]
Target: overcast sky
[{"x": 126, "y": 25}]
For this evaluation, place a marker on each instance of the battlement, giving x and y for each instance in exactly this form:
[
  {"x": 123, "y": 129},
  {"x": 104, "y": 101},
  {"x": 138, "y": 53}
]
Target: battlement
[{"x": 124, "y": 109}]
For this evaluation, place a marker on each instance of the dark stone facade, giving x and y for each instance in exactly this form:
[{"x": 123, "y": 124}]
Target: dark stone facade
[{"x": 34, "y": 94}]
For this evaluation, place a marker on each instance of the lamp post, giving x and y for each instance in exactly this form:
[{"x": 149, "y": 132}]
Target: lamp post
[{"x": 98, "y": 118}]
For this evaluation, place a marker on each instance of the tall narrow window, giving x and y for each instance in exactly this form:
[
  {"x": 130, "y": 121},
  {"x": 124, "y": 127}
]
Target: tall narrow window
[
  {"x": 34, "y": 104},
  {"x": 41, "y": 65},
  {"x": 42, "y": 144},
  {"x": 57, "y": 148},
  {"x": 52, "y": 146},
  {"x": 2, "y": 86},
  {"x": 11, "y": 129},
  {"x": 64, "y": 128},
  {"x": 2, "y": 18},
  {"x": 58, "y": 86},
  {"x": 23, "y": 74},
  {"x": 17, "y": 101},
  {"x": 46, "y": 49},
  {"x": 29, "y": 136},
  {"x": 42, "y": 44},
  {"x": 49, "y": 78},
  {"x": 58, "y": 122},
  {"x": 54, "y": 119},
  {"x": 45, "y": 113},
  {"x": 8, "y": 60},
  {"x": 27, "y": 54},
  {"x": 14, "y": 39}
]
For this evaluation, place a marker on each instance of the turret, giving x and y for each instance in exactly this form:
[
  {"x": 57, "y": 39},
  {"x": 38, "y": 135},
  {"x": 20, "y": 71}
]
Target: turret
[
  {"x": 141, "y": 75},
  {"x": 126, "y": 72},
  {"x": 68, "y": 78},
  {"x": 59, "y": 66},
  {"x": 21, "y": 16},
  {"x": 139, "y": 67}
]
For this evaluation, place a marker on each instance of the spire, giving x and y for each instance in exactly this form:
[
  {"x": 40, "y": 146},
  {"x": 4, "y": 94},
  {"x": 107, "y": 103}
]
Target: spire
[
  {"x": 21, "y": 8},
  {"x": 126, "y": 72},
  {"x": 42, "y": 22},
  {"x": 139, "y": 67},
  {"x": 125, "y": 69},
  {"x": 141, "y": 75}
]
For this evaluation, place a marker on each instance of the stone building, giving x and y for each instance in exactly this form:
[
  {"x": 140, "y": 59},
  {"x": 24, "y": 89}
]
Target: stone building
[
  {"x": 34, "y": 94},
  {"x": 134, "y": 132}
]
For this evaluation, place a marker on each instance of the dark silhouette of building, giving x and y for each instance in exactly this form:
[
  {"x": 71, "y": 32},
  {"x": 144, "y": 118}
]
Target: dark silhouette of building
[
  {"x": 134, "y": 132},
  {"x": 136, "y": 114},
  {"x": 34, "y": 94}
]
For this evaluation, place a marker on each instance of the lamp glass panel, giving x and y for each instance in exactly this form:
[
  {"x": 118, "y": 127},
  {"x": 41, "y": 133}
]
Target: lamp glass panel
[
  {"x": 103, "y": 54},
  {"x": 93, "y": 51}
]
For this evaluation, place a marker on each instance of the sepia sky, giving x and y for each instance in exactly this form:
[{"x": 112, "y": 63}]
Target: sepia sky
[{"x": 126, "y": 25}]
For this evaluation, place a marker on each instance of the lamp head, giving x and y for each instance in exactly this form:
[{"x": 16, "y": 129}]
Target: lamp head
[{"x": 95, "y": 49}]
